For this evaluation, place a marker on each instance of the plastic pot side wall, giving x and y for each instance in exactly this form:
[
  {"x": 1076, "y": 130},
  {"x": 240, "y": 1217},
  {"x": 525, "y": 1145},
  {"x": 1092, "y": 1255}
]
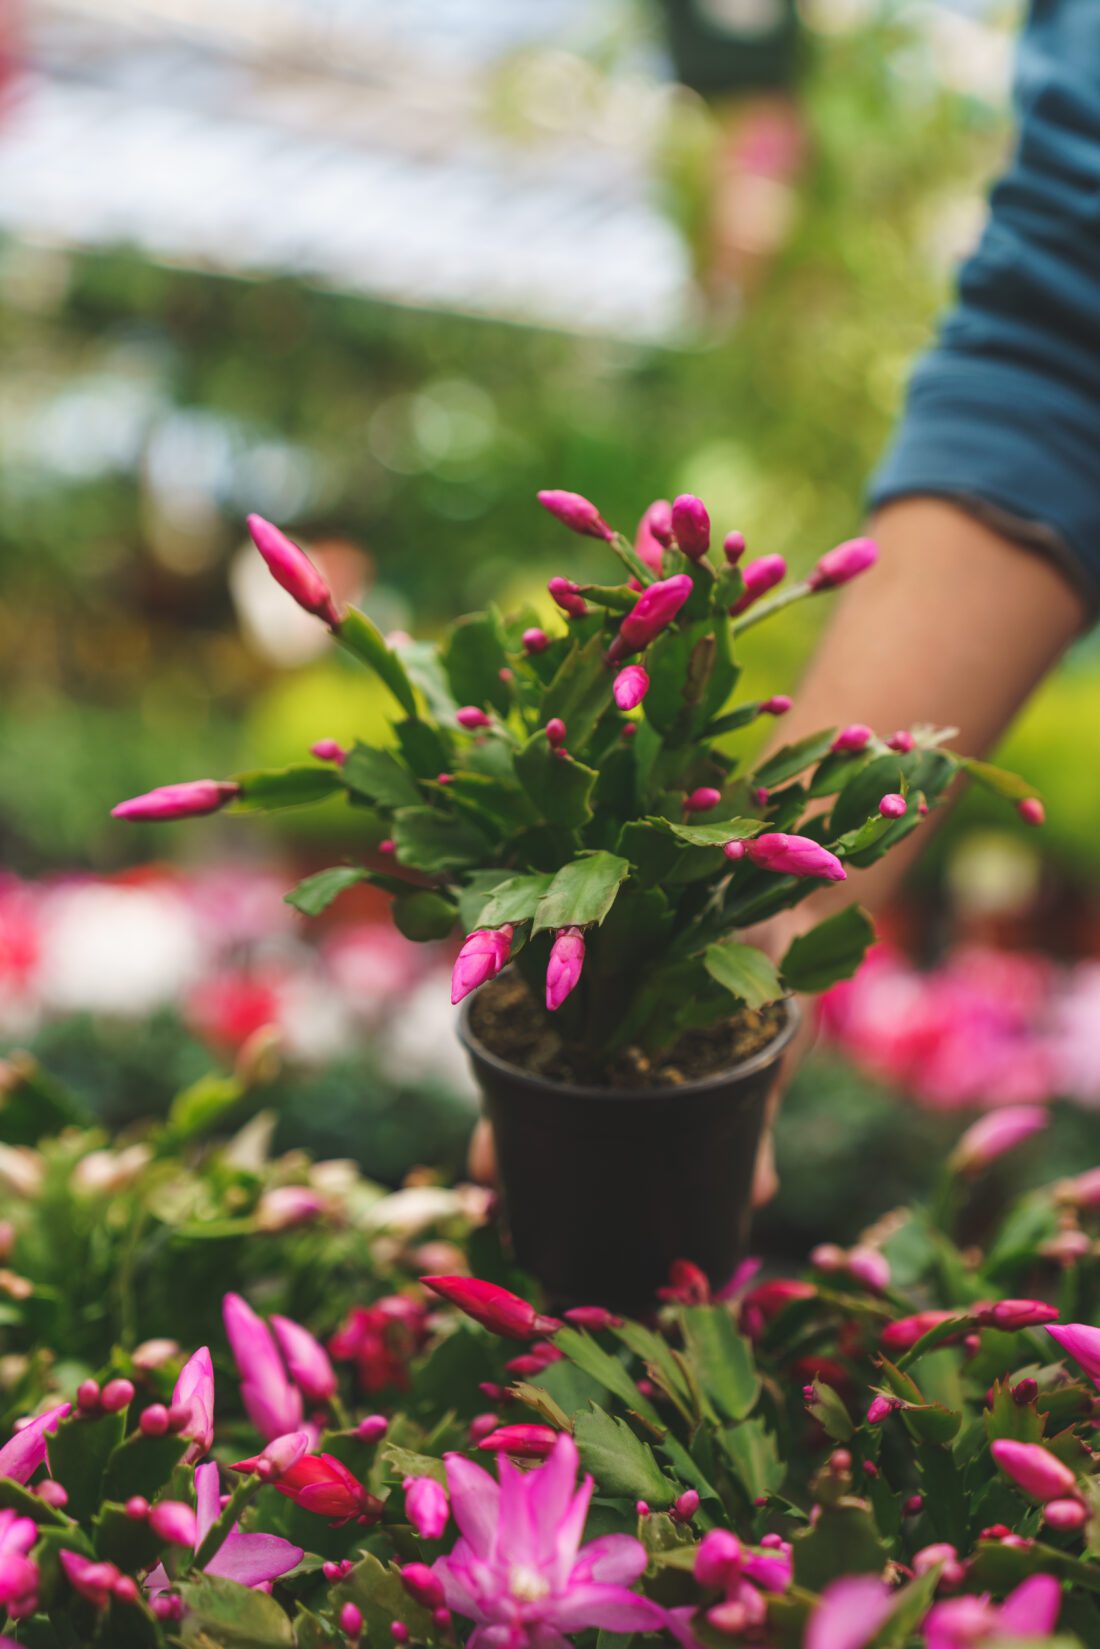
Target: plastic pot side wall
[{"x": 604, "y": 1188}]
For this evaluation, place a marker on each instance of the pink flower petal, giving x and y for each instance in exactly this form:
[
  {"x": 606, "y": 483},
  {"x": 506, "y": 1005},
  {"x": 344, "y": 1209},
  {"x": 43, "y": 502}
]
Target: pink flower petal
[{"x": 475, "y": 1503}]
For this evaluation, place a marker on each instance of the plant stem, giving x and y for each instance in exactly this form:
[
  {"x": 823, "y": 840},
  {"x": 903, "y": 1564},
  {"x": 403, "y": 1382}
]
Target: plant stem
[{"x": 786, "y": 598}]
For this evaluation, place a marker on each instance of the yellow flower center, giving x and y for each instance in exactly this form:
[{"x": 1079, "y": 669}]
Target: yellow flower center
[{"x": 527, "y": 1585}]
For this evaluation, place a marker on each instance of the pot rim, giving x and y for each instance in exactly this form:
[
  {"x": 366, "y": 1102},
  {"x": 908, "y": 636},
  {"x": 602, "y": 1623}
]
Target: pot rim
[{"x": 767, "y": 1055}]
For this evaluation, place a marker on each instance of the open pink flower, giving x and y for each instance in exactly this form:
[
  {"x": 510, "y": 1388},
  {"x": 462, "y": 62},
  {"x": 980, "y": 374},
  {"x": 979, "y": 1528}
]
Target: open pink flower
[
  {"x": 272, "y": 1402},
  {"x": 23, "y": 1453},
  {"x": 519, "y": 1571},
  {"x": 250, "y": 1559},
  {"x": 195, "y": 1388},
  {"x": 1082, "y": 1343},
  {"x": 1031, "y": 1611},
  {"x": 18, "y": 1574}
]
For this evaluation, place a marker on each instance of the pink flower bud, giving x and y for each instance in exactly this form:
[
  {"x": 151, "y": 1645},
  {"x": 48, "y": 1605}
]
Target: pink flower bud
[
  {"x": 327, "y": 750},
  {"x": 291, "y": 567},
  {"x": 777, "y": 705},
  {"x": 1034, "y": 1469},
  {"x": 653, "y": 612},
  {"x": 481, "y": 1425},
  {"x": 483, "y": 954},
  {"x": 845, "y": 562},
  {"x": 903, "y": 1334},
  {"x": 422, "y": 1585},
  {"x": 702, "y": 799},
  {"x": 494, "y": 1307},
  {"x": 125, "y": 1589},
  {"x": 1082, "y": 1343},
  {"x": 901, "y": 741},
  {"x": 576, "y": 513},
  {"x": 761, "y": 795},
  {"x": 1012, "y": 1315},
  {"x": 734, "y": 850},
  {"x": 137, "y": 1508},
  {"x": 630, "y": 686},
  {"x": 893, "y": 806},
  {"x": 52, "y": 1493},
  {"x": 654, "y": 534},
  {"x": 387, "y": 846},
  {"x": 869, "y": 1267},
  {"x": 399, "y": 1632},
  {"x": 523, "y": 1442},
  {"x": 189, "y": 800},
  {"x": 1031, "y": 810},
  {"x": 568, "y": 597},
  {"x": 88, "y": 1396},
  {"x": 760, "y": 576},
  {"x": 94, "y": 1581},
  {"x": 795, "y": 856},
  {"x": 535, "y": 640},
  {"x": 952, "y": 1572},
  {"x": 153, "y": 1421},
  {"x": 337, "y": 1571},
  {"x": 685, "y": 1506},
  {"x": 1065, "y": 1514},
  {"x": 373, "y": 1428},
  {"x": 116, "y": 1395},
  {"x": 426, "y": 1506},
  {"x": 563, "y": 970},
  {"x": 717, "y": 1558},
  {"x": 691, "y": 525},
  {"x": 851, "y": 739},
  {"x": 994, "y": 1134},
  {"x": 555, "y": 732},
  {"x": 733, "y": 547},
  {"x": 881, "y": 1408},
  {"x": 593, "y": 1317},
  {"x": 471, "y": 717},
  {"x": 175, "y": 1521},
  {"x": 641, "y": 1508},
  {"x": 351, "y": 1620}
]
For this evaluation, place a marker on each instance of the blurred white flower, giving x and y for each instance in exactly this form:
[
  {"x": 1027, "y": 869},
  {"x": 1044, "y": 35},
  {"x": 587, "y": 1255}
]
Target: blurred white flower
[
  {"x": 116, "y": 949},
  {"x": 21, "y": 1170},
  {"x": 103, "y": 1173}
]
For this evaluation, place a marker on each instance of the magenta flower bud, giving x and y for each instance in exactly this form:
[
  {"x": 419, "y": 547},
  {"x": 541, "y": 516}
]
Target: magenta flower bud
[
  {"x": 641, "y": 1507},
  {"x": 291, "y": 567},
  {"x": 1065, "y": 1514},
  {"x": 52, "y": 1493},
  {"x": 881, "y": 1408},
  {"x": 761, "y": 795},
  {"x": 851, "y": 739},
  {"x": 190, "y": 800},
  {"x": 717, "y": 1558},
  {"x": 994, "y": 1134},
  {"x": 387, "y": 846},
  {"x": 846, "y": 561},
  {"x": 1031, "y": 810},
  {"x": 1025, "y": 1392},
  {"x": 422, "y": 1585},
  {"x": 535, "y": 640},
  {"x": 653, "y": 612},
  {"x": 563, "y": 969},
  {"x": 733, "y": 850},
  {"x": 483, "y": 954},
  {"x": 426, "y": 1506},
  {"x": 942, "y": 1555},
  {"x": 94, "y": 1581},
  {"x": 306, "y": 1359},
  {"x": 733, "y": 547},
  {"x": 1012, "y": 1315},
  {"x": 523, "y": 1442},
  {"x": 1034, "y": 1469},
  {"x": 337, "y": 1571},
  {"x": 777, "y": 705},
  {"x": 893, "y": 806},
  {"x": 399, "y": 1632},
  {"x": 125, "y": 1589},
  {"x": 116, "y": 1395},
  {"x": 555, "y": 732},
  {"x": 276, "y": 1459},
  {"x": 630, "y": 686},
  {"x": 88, "y": 1396},
  {"x": 175, "y": 1521},
  {"x": 902, "y": 741},
  {"x": 907, "y": 1331},
  {"x": 691, "y": 525},
  {"x": 654, "y": 534},
  {"x": 576, "y": 513},
  {"x": 685, "y": 1506},
  {"x": 153, "y": 1421},
  {"x": 481, "y": 1425},
  {"x": 760, "y": 576},
  {"x": 869, "y": 1267},
  {"x": 593, "y": 1317},
  {"x": 373, "y": 1428},
  {"x": 495, "y": 1308},
  {"x": 137, "y": 1508},
  {"x": 351, "y": 1620},
  {"x": 795, "y": 856},
  {"x": 442, "y": 1618},
  {"x": 914, "y": 1505},
  {"x": 1082, "y": 1343},
  {"x": 702, "y": 799},
  {"x": 471, "y": 717},
  {"x": 568, "y": 597},
  {"x": 327, "y": 750}
]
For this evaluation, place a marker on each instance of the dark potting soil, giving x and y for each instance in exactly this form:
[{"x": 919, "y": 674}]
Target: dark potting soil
[{"x": 512, "y": 1025}]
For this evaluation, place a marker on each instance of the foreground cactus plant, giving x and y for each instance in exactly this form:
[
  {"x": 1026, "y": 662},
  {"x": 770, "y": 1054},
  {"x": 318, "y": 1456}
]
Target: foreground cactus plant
[{"x": 573, "y": 802}]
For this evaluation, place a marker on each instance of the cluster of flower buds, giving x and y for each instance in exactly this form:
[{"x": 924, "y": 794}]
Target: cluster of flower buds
[
  {"x": 92, "y": 1399},
  {"x": 97, "y": 1582}
]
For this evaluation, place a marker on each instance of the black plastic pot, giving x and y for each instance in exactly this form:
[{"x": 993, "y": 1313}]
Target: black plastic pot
[{"x": 605, "y": 1187}]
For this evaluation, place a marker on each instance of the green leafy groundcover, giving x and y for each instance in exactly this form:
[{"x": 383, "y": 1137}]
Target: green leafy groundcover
[{"x": 896, "y": 1439}]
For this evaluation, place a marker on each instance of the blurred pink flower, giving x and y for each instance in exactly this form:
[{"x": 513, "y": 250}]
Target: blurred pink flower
[
  {"x": 272, "y": 1402},
  {"x": 1031, "y": 1612},
  {"x": 23, "y": 1453},
  {"x": 195, "y": 1388}
]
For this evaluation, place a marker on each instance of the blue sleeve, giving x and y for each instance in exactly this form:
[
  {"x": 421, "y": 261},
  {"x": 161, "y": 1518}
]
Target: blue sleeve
[{"x": 1005, "y": 408}]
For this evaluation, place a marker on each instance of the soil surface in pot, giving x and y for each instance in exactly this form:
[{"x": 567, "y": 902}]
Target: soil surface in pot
[{"x": 512, "y": 1025}]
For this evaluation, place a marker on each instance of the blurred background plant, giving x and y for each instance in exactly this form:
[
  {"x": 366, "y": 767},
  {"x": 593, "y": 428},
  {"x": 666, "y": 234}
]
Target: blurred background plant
[{"x": 380, "y": 273}]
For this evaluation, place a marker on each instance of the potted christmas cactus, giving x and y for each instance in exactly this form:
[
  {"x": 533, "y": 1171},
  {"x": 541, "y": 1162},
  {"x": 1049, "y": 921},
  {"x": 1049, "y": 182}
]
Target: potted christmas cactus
[{"x": 572, "y": 801}]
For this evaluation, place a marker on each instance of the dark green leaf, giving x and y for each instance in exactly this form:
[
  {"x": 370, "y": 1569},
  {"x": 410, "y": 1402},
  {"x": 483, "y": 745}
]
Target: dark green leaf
[
  {"x": 402, "y": 1463},
  {"x": 560, "y": 787},
  {"x": 827, "y": 1408},
  {"x": 722, "y": 1359},
  {"x": 843, "y": 1541},
  {"x": 423, "y": 915},
  {"x": 583, "y": 1350},
  {"x": 793, "y": 758},
  {"x": 713, "y": 834},
  {"x": 830, "y": 951},
  {"x": 859, "y": 799},
  {"x": 580, "y": 692},
  {"x": 425, "y": 749},
  {"x": 78, "y": 1452},
  {"x": 430, "y": 840},
  {"x": 315, "y": 893},
  {"x": 620, "y": 1462},
  {"x": 745, "y": 972},
  {"x": 365, "y": 640},
  {"x": 997, "y": 779},
  {"x": 142, "y": 1465},
  {"x": 582, "y": 892},
  {"x": 267, "y": 791},
  {"x": 514, "y": 900},
  {"x": 473, "y": 657},
  {"x": 752, "y": 1451},
  {"x": 233, "y": 1616},
  {"x": 380, "y": 777}
]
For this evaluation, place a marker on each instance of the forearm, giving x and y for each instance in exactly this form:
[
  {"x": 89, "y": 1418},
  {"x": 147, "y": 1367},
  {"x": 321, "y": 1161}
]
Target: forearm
[{"x": 954, "y": 626}]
